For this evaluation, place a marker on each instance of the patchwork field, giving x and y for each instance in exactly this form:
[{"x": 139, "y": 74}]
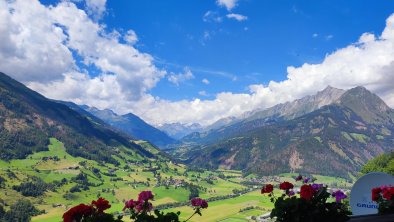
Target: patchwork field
[{"x": 72, "y": 181}]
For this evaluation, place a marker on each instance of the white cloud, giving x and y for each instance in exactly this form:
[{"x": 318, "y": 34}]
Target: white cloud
[
  {"x": 202, "y": 93},
  {"x": 206, "y": 35},
  {"x": 130, "y": 37},
  {"x": 329, "y": 37},
  {"x": 369, "y": 63},
  {"x": 182, "y": 77},
  {"x": 211, "y": 16},
  {"x": 237, "y": 17},
  {"x": 205, "y": 81},
  {"x": 134, "y": 70},
  {"x": 228, "y": 4},
  {"x": 96, "y": 8},
  {"x": 37, "y": 45},
  {"x": 31, "y": 46},
  {"x": 366, "y": 37}
]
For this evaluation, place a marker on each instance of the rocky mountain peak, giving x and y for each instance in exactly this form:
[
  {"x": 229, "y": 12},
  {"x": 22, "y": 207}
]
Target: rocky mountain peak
[
  {"x": 367, "y": 105},
  {"x": 328, "y": 95}
]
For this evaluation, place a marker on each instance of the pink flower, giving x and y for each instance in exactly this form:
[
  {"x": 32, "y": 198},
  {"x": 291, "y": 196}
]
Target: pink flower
[
  {"x": 204, "y": 204},
  {"x": 130, "y": 204},
  {"x": 198, "y": 202},
  {"x": 145, "y": 195},
  {"x": 144, "y": 206}
]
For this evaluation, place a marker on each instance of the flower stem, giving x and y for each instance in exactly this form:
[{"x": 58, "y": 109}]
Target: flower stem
[
  {"x": 273, "y": 195},
  {"x": 191, "y": 216}
]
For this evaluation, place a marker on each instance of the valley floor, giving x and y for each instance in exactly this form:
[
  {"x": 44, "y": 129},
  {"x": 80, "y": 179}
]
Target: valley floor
[{"x": 237, "y": 198}]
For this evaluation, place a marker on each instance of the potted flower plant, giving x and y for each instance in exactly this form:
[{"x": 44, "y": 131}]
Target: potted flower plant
[
  {"x": 310, "y": 205},
  {"x": 140, "y": 211},
  {"x": 384, "y": 196}
]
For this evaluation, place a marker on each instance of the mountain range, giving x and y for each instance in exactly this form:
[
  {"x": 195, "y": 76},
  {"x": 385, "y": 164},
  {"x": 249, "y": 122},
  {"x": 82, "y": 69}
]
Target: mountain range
[
  {"x": 179, "y": 130},
  {"x": 333, "y": 132},
  {"x": 132, "y": 125},
  {"x": 28, "y": 120}
]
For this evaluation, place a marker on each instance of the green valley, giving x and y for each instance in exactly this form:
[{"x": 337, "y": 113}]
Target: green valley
[
  {"x": 231, "y": 195},
  {"x": 169, "y": 181}
]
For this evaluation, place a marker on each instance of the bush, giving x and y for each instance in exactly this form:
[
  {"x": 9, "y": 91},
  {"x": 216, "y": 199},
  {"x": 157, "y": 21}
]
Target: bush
[
  {"x": 21, "y": 211},
  {"x": 382, "y": 163},
  {"x": 2, "y": 182},
  {"x": 33, "y": 188}
]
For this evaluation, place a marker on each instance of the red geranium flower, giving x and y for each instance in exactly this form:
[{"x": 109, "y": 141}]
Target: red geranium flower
[
  {"x": 286, "y": 186},
  {"x": 307, "y": 192},
  {"x": 376, "y": 193},
  {"x": 388, "y": 193},
  {"x": 101, "y": 204},
  {"x": 267, "y": 188},
  {"x": 77, "y": 213}
]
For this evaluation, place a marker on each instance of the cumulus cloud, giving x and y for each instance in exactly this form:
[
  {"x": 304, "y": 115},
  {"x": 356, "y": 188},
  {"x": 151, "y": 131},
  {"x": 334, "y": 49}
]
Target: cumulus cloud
[
  {"x": 237, "y": 17},
  {"x": 205, "y": 81},
  {"x": 38, "y": 45},
  {"x": 182, "y": 77},
  {"x": 31, "y": 46},
  {"x": 369, "y": 62},
  {"x": 39, "y": 42},
  {"x": 228, "y": 4}
]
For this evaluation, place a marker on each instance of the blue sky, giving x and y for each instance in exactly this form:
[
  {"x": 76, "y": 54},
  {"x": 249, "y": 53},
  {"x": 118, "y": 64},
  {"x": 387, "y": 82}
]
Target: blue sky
[
  {"x": 196, "y": 60},
  {"x": 275, "y": 35}
]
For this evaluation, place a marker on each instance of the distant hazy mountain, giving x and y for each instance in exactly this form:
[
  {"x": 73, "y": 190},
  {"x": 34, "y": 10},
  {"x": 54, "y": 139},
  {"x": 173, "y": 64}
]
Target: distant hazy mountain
[
  {"x": 221, "y": 122},
  {"x": 179, "y": 130},
  {"x": 285, "y": 111},
  {"x": 257, "y": 118},
  {"x": 132, "y": 125},
  {"x": 299, "y": 107},
  {"x": 28, "y": 120},
  {"x": 336, "y": 138}
]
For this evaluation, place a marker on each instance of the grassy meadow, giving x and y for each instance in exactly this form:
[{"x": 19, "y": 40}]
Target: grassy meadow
[{"x": 123, "y": 182}]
